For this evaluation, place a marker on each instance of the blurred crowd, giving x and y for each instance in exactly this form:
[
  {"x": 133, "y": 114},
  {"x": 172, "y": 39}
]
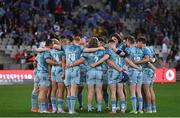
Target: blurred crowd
[{"x": 30, "y": 22}]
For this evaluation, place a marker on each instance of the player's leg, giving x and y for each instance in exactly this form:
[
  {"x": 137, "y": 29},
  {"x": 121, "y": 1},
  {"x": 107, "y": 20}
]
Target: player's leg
[
  {"x": 112, "y": 82},
  {"x": 60, "y": 95},
  {"x": 68, "y": 104},
  {"x": 113, "y": 97},
  {"x": 139, "y": 92},
  {"x": 35, "y": 92},
  {"x": 73, "y": 92},
  {"x": 153, "y": 96},
  {"x": 90, "y": 96},
  {"x": 79, "y": 95},
  {"x": 121, "y": 96},
  {"x": 99, "y": 97},
  {"x": 75, "y": 81},
  {"x": 99, "y": 82},
  {"x": 42, "y": 98},
  {"x": 105, "y": 95},
  {"x": 133, "y": 81},
  {"x": 90, "y": 80},
  {"x": 67, "y": 83},
  {"x": 43, "y": 90},
  {"x": 147, "y": 90},
  {"x": 48, "y": 99},
  {"x": 153, "y": 99},
  {"x": 80, "y": 89},
  {"x": 34, "y": 98},
  {"x": 105, "y": 90},
  {"x": 53, "y": 95}
]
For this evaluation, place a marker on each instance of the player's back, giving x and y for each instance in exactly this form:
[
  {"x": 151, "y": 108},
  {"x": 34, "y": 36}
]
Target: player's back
[
  {"x": 115, "y": 58},
  {"x": 72, "y": 53},
  {"x": 57, "y": 55},
  {"x": 93, "y": 57},
  {"x": 134, "y": 54},
  {"x": 42, "y": 66},
  {"x": 122, "y": 47}
]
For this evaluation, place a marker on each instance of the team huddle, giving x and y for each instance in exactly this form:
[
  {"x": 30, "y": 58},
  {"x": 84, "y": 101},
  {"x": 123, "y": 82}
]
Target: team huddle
[{"x": 65, "y": 66}]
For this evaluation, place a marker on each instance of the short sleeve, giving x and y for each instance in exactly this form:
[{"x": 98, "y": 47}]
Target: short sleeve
[
  {"x": 47, "y": 55},
  {"x": 146, "y": 52},
  {"x": 84, "y": 55}
]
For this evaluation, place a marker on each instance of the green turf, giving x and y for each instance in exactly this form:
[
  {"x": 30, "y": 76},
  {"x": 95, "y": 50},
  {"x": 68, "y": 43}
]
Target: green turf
[{"x": 15, "y": 100}]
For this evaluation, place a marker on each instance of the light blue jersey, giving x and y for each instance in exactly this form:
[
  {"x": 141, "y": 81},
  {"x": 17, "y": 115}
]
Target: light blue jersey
[
  {"x": 94, "y": 74},
  {"x": 56, "y": 71},
  {"x": 113, "y": 74},
  {"x": 83, "y": 74},
  {"x": 42, "y": 68},
  {"x": 148, "y": 73},
  {"x": 134, "y": 54},
  {"x": 105, "y": 73},
  {"x": 36, "y": 80},
  {"x": 122, "y": 47},
  {"x": 93, "y": 57},
  {"x": 72, "y": 53}
]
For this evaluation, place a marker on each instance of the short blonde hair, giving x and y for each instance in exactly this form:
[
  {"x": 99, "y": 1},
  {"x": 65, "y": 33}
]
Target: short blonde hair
[{"x": 55, "y": 41}]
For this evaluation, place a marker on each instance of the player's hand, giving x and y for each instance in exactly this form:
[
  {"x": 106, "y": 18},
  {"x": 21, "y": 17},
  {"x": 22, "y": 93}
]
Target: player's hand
[
  {"x": 63, "y": 76},
  {"x": 152, "y": 60},
  {"x": 47, "y": 49},
  {"x": 135, "y": 62},
  {"x": 68, "y": 65},
  {"x": 49, "y": 77},
  {"x": 140, "y": 69},
  {"x": 122, "y": 53},
  {"x": 93, "y": 65},
  {"x": 59, "y": 63},
  {"x": 120, "y": 69}
]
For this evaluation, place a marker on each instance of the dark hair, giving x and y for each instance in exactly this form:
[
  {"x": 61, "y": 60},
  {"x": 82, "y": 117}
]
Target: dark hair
[
  {"x": 131, "y": 39},
  {"x": 93, "y": 42},
  {"x": 70, "y": 38},
  {"x": 117, "y": 36},
  {"x": 143, "y": 40},
  {"x": 101, "y": 39},
  {"x": 49, "y": 42}
]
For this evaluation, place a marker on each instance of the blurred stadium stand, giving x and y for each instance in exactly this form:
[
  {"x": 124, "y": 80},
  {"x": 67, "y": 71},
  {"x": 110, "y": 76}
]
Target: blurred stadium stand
[{"x": 24, "y": 24}]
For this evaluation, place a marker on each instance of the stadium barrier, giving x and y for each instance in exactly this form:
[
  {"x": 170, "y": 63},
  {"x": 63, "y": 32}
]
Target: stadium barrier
[
  {"x": 163, "y": 75},
  {"x": 16, "y": 76}
]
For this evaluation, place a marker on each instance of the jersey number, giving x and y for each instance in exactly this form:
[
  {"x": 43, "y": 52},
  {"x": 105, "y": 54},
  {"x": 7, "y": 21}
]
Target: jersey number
[{"x": 72, "y": 57}]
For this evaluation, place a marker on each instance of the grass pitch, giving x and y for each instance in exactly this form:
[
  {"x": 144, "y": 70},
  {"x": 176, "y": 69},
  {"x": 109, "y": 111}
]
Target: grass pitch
[{"x": 15, "y": 100}]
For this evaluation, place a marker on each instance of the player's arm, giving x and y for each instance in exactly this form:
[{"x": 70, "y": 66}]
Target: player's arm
[
  {"x": 57, "y": 46},
  {"x": 150, "y": 65},
  {"x": 113, "y": 65},
  {"x": 93, "y": 49},
  {"x": 143, "y": 61},
  {"x": 119, "y": 52},
  {"x": 76, "y": 63},
  {"x": 103, "y": 59},
  {"x": 52, "y": 62},
  {"x": 49, "y": 71},
  {"x": 42, "y": 49},
  {"x": 132, "y": 64},
  {"x": 63, "y": 66}
]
